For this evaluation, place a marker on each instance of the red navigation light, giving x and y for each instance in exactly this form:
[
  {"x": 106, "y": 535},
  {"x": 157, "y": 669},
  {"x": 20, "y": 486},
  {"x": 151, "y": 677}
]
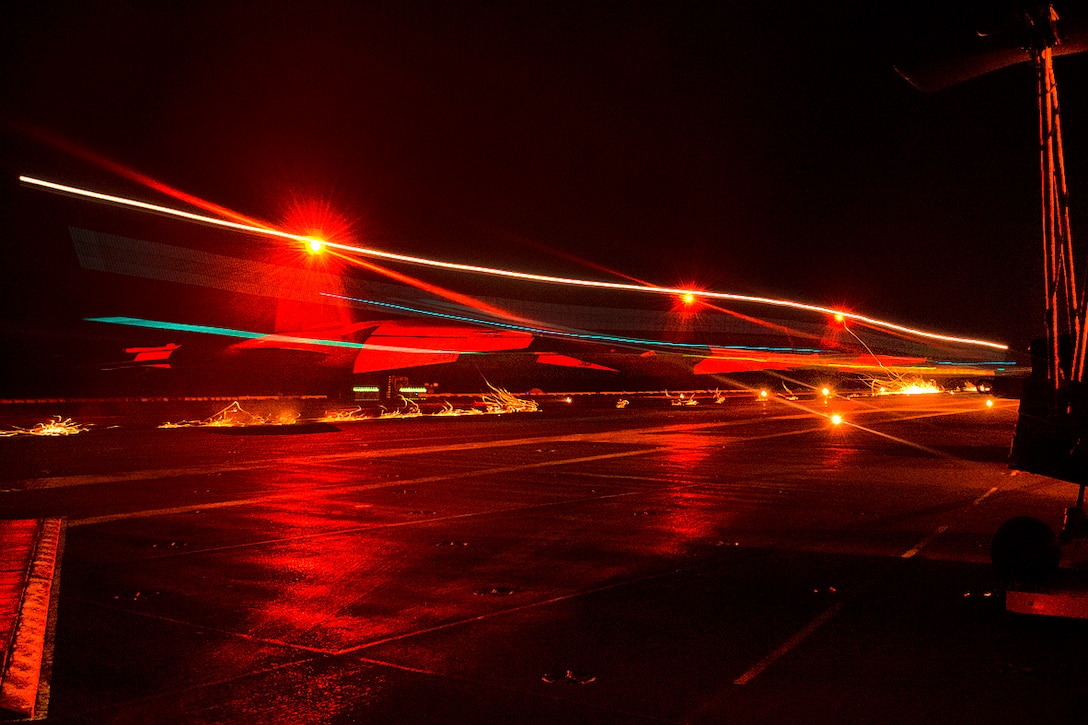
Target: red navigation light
[{"x": 316, "y": 223}]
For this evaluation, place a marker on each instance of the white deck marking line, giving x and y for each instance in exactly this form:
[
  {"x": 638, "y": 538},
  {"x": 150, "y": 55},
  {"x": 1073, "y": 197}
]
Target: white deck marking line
[
  {"x": 913, "y": 551},
  {"x": 601, "y": 437},
  {"x": 790, "y": 644},
  {"x": 515, "y": 609},
  {"x": 984, "y": 496},
  {"x": 364, "y": 645},
  {"x": 815, "y": 624},
  {"x": 636, "y": 437},
  {"x": 672, "y": 486},
  {"x": 403, "y": 635},
  {"x": 924, "y": 542},
  {"x": 430, "y": 479},
  {"x": 616, "y": 436},
  {"x": 341, "y": 488}
]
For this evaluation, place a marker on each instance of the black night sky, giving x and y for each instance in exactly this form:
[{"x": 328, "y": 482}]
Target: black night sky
[{"x": 746, "y": 147}]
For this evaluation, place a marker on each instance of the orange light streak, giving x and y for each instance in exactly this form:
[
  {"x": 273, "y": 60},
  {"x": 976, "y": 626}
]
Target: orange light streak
[
  {"x": 450, "y": 295},
  {"x": 123, "y": 171},
  {"x": 580, "y": 261},
  {"x": 788, "y": 331},
  {"x": 255, "y": 228},
  {"x": 508, "y": 273}
]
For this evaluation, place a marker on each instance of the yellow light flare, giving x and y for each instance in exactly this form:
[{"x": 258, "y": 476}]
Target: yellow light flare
[
  {"x": 344, "y": 416},
  {"x": 51, "y": 428},
  {"x": 506, "y": 273},
  {"x": 448, "y": 411},
  {"x": 836, "y": 419},
  {"x": 989, "y": 403},
  {"x": 315, "y": 246},
  {"x": 905, "y": 386},
  {"x": 921, "y": 389},
  {"x": 286, "y": 417},
  {"x": 234, "y": 416},
  {"x": 410, "y": 410},
  {"x": 503, "y": 401}
]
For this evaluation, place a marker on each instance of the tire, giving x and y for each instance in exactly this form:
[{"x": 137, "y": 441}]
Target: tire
[{"x": 1024, "y": 550}]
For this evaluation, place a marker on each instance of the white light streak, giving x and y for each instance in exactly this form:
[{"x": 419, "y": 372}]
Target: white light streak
[{"x": 838, "y": 315}]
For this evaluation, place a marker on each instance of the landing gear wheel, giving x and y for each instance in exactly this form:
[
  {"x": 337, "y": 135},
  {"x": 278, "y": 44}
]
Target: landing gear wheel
[{"x": 1024, "y": 551}]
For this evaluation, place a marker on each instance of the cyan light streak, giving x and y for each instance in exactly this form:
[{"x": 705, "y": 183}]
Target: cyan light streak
[
  {"x": 999, "y": 364},
  {"x": 222, "y": 331},
  {"x": 272, "y": 337},
  {"x": 568, "y": 334}
]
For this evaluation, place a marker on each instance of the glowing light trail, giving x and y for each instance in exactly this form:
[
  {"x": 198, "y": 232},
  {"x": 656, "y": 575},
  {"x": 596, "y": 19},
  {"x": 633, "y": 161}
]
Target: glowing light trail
[
  {"x": 621, "y": 286},
  {"x": 265, "y": 337},
  {"x": 567, "y": 333},
  {"x": 168, "y": 211},
  {"x": 70, "y": 147},
  {"x": 222, "y": 331},
  {"x": 507, "y": 273},
  {"x": 456, "y": 297}
]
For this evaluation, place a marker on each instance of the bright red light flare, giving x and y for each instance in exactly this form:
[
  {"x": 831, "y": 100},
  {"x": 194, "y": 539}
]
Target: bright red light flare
[{"x": 317, "y": 219}]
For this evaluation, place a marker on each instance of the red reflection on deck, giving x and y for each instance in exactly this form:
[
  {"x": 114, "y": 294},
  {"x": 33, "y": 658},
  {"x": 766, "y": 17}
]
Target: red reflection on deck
[{"x": 690, "y": 514}]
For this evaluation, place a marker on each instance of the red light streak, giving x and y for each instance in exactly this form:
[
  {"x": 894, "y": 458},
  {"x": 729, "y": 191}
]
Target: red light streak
[
  {"x": 317, "y": 218},
  {"x": 434, "y": 289},
  {"x": 508, "y": 273},
  {"x": 788, "y": 331},
  {"x": 165, "y": 210},
  {"x": 131, "y": 174}
]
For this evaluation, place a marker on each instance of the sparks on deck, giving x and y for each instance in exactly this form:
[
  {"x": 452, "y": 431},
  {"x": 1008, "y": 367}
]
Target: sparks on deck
[
  {"x": 51, "y": 428},
  {"x": 234, "y": 416}
]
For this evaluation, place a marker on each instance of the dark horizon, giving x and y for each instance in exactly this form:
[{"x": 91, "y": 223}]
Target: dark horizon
[{"x": 758, "y": 150}]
